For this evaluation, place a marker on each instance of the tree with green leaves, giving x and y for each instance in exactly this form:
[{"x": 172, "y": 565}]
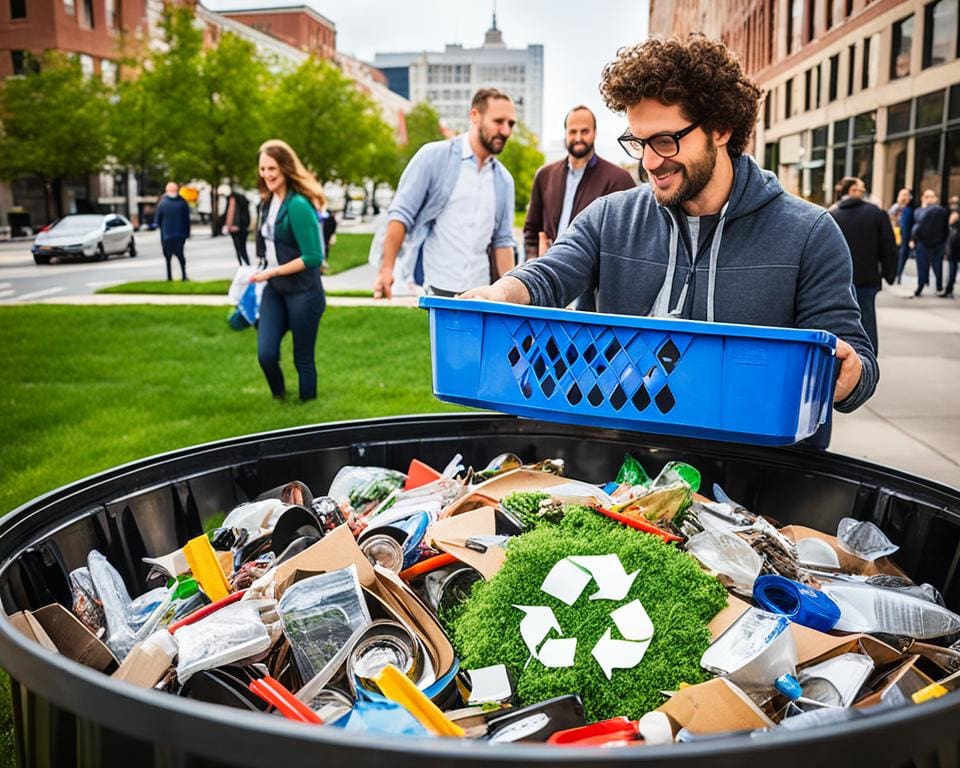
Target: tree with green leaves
[
  {"x": 423, "y": 126},
  {"x": 522, "y": 158},
  {"x": 337, "y": 130},
  {"x": 52, "y": 125}
]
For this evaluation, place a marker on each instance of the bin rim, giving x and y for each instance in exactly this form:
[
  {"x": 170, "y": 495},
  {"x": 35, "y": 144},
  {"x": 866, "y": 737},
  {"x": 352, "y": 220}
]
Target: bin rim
[
  {"x": 673, "y": 325},
  {"x": 143, "y": 712}
]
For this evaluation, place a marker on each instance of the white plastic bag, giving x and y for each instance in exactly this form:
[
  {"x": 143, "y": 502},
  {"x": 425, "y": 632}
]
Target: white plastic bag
[{"x": 233, "y": 633}]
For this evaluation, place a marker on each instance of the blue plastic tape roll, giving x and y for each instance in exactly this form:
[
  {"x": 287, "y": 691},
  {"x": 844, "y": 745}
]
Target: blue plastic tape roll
[{"x": 798, "y": 602}]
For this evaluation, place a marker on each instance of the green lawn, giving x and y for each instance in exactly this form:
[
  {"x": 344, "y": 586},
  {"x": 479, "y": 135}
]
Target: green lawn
[
  {"x": 348, "y": 252},
  {"x": 202, "y": 288},
  {"x": 87, "y": 388}
]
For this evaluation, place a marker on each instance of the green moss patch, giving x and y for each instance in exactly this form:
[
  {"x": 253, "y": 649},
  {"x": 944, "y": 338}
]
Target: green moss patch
[{"x": 678, "y": 596}]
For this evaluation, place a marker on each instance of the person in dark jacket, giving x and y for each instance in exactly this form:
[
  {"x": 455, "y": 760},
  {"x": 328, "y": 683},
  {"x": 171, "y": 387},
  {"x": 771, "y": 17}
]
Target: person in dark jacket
[
  {"x": 564, "y": 188},
  {"x": 712, "y": 236},
  {"x": 901, "y": 212},
  {"x": 953, "y": 254},
  {"x": 288, "y": 242},
  {"x": 872, "y": 246},
  {"x": 929, "y": 238},
  {"x": 237, "y": 224},
  {"x": 173, "y": 220}
]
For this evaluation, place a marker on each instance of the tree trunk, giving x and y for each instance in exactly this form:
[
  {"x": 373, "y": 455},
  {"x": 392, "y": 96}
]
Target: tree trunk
[
  {"x": 215, "y": 225},
  {"x": 47, "y": 198}
]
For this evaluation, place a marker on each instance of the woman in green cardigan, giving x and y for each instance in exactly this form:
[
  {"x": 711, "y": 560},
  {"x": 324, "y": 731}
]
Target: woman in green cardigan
[{"x": 288, "y": 242}]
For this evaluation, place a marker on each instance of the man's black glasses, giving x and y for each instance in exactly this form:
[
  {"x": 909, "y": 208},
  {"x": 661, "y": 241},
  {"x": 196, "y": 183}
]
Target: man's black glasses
[{"x": 664, "y": 144}]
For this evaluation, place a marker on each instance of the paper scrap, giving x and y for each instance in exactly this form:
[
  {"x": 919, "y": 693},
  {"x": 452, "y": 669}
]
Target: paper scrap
[
  {"x": 618, "y": 654},
  {"x": 558, "y": 652},
  {"x": 566, "y": 581},
  {"x": 632, "y": 621},
  {"x": 613, "y": 582},
  {"x": 536, "y": 625}
]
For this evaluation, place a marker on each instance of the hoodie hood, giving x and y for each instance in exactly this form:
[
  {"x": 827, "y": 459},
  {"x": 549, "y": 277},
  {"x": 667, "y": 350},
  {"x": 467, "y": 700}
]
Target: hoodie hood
[{"x": 752, "y": 189}]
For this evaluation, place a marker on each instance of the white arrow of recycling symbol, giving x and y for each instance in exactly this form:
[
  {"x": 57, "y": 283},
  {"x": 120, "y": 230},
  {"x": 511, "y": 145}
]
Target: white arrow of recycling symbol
[{"x": 566, "y": 582}]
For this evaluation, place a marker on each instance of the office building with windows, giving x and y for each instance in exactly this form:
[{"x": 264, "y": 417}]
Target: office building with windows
[
  {"x": 853, "y": 87},
  {"x": 448, "y": 79}
]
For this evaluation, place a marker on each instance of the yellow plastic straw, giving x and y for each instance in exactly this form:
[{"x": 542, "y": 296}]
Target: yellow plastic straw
[
  {"x": 206, "y": 568},
  {"x": 399, "y": 688}
]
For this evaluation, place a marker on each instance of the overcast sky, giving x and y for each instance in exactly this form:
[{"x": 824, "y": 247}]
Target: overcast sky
[{"x": 578, "y": 38}]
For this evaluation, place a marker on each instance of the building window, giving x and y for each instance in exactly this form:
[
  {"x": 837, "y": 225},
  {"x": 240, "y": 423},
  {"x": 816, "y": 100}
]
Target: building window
[
  {"x": 930, "y": 110},
  {"x": 864, "y": 133},
  {"x": 112, "y": 14},
  {"x": 865, "y": 64},
  {"x": 807, "y": 89},
  {"x": 953, "y": 164},
  {"x": 900, "y": 49},
  {"x": 834, "y": 77},
  {"x": 108, "y": 72},
  {"x": 954, "y": 113},
  {"x": 771, "y": 156},
  {"x": 816, "y": 86},
  {"x": 830, "y": 13},
  {"x": 18, "y": 9},
  {"x": 898, "y": 117},
  {"x": 817, "y": 166},
  {"x": 811, "y": 21},
  {"x": 851, "y": 63},
  {"x": 927, "y": 173},
  {"x": 794, "y": 25},
  {"x": 86, "y": 18},
  {"x": 766, "y": 110},
  {"x": 939, "y": 32},
  {"x": 841, "y": 132},
  {"x": 24, "y": 63},
  {"x": 70, "y": 6},
  {"x": 788, "y": 106}
]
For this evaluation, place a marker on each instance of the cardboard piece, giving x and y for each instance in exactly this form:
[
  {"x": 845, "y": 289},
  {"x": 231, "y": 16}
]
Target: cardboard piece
[
  {"x": 148, "y": 661},
  {"x": 716, "y": 706},
  {"x": 812, "y": 646},
  {"x": 849, "y": 563},
  {"x": 906, "y": 680},
  {"x": 59, "y": 631},
  {"x": 449, "y": 535}
]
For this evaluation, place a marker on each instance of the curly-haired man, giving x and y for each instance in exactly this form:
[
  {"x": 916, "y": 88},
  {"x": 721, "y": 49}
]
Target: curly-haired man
[{"x": 712, "y": 236}]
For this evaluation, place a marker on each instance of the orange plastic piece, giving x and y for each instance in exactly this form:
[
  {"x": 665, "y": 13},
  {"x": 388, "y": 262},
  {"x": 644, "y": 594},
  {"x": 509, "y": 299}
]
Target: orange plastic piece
[
  {"x": 425, "y": 566},
  {"x": 420, "y": 474}
]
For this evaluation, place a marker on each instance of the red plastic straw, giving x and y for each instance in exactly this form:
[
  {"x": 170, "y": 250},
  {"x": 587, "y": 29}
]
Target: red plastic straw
[
  {"x": 307, "y": 714},
  {"x": 205, "y": 611},
  {"x": 640, "y": 525},
  {"x": 262, "y": 690}
]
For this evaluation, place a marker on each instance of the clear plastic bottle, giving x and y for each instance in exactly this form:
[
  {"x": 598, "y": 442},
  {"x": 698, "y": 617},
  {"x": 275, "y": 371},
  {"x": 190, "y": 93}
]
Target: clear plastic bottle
[{"x": 867, "y": 608}]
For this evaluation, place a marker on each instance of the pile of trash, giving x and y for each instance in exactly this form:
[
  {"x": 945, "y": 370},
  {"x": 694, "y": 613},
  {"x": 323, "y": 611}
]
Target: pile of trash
[{"x": 514, "y": 604}]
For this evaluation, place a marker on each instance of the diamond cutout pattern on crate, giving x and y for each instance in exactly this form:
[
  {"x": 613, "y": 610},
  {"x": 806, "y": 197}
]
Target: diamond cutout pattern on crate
[{"x": 591, "y": 365}]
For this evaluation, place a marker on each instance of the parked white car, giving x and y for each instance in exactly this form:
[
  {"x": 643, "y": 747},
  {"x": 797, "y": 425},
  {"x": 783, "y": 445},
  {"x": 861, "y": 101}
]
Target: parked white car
[{"x": 93, "y": 236}]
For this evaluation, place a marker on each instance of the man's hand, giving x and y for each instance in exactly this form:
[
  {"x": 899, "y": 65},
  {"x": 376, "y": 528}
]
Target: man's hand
[
  {"x": 850, "y": 370},
  {"x": 507, "y": 290},
  {"x": 383, "y": 285}
]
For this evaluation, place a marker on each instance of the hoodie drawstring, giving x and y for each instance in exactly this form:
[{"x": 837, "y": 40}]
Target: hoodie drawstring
[{"x": 661, "y": 305}]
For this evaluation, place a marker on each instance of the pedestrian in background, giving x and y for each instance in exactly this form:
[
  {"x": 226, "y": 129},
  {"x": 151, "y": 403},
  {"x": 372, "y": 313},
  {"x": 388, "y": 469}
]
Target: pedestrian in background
[
  {"x": 564, "y": 188},
  {"x": 901, "y": 215},
  {"x": 288, "y": 244},
  {"x": 929, "y": 239},
  {"x": 237, "y": 224},
  {"x": 953, "y": 254},
  {"x": 328, "y": 231},
  {"x": 454, "y": 206},
  {"x": 873, "y": 248},
  {"x": 173, "y": 220}
]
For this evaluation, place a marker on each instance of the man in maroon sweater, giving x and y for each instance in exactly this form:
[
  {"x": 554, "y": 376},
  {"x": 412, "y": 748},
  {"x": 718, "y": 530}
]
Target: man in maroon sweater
[{"x": 564, "y": 188}]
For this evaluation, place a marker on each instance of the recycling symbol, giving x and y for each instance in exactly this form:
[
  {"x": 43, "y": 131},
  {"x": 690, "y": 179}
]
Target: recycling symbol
[{"x": 566, "y": 581}]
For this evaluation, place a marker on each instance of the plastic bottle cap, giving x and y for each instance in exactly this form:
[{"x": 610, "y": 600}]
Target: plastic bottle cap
[{"x": 789, "y": 686}]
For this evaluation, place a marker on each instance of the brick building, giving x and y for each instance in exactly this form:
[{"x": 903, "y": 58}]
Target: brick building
[
  {"x": 297, "y": 25},
  {"x": 852, "y": 87}
]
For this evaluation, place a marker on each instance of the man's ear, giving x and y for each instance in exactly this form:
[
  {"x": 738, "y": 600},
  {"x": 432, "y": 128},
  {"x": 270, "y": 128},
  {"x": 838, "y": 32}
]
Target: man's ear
[
  {"x": 721, "y": 138},
  {"x": 475, "y": 116}
]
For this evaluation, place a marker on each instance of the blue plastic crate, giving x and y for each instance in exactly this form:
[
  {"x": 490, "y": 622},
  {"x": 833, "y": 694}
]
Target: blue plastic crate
[{"x": 741, "y": 383}]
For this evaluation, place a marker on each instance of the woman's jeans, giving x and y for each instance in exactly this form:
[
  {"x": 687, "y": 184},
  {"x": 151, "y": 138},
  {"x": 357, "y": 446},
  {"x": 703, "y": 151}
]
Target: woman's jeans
[{"x": 299, "y": 313}]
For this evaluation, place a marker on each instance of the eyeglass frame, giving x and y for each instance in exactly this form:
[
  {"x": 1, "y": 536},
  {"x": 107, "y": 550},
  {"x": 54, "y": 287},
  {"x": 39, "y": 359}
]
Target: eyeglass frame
[{"x": 644, "y": 143}]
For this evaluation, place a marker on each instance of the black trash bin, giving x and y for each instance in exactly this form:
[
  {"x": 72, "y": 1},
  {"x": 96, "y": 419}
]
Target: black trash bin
[{"x": 68, "y": 715}]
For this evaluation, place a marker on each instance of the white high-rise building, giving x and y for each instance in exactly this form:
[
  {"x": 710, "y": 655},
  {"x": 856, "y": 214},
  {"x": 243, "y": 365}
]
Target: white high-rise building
[{"x": 448, "y": 79}]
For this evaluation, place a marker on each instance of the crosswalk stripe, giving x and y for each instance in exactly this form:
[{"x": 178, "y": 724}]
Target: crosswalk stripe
[{"x": 40, "y": 294}]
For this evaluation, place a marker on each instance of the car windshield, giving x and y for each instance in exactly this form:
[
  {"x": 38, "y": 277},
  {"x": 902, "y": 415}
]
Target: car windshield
[{"x": 73, "y": 224}]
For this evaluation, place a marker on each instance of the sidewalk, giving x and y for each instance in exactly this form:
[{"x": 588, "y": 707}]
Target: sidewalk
[{"x": 912, "y": 422}]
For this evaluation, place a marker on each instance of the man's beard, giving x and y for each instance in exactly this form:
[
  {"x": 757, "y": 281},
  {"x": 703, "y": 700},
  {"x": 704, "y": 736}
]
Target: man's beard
[
  {"x": 494, "y": 144},
  {"x": 579, "y": 149},
  {"x": 695, "y": 176}
]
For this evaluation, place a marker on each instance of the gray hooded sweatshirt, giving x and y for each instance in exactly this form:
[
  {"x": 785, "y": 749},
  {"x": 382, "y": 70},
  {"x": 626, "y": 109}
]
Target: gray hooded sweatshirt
[{"x": 768, "y": 258}]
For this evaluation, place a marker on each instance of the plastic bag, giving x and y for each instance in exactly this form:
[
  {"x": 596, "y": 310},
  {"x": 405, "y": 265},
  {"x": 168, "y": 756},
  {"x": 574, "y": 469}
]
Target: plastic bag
[
  {"x": 632, "y": 472},
  {"x": 865, "y": 608},
  {"x": 319, "y": 614},
  {"x": 114, "y": 599},
  {"x": 233, "y": 633},
  {"x": 86, "y": 604},
  {"x": 864, "y": 539},
  {"x": 255, "y": 515},
  {"x": 364, "y": 487},
  {"x": 725, "y": 553}
]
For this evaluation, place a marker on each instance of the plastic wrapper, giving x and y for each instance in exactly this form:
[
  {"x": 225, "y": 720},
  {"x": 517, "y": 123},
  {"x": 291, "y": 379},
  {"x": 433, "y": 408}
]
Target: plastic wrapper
[
  {"x": 319, "y": 615},
  {"x": 231, "y": 634},
  {"x": 255, "y": 516},
  {"x": 364, "y": 487},
  {"x": 86, "y": 604},
  {"x": 864, "y": 539},
  {"x": 866, "y": 608},
  {"x": 632, "y": 472},
  {"x": 926, "y": 592},
  {"x": 725, "y": 553},
  {"x": 754, "y": 652},
  {"x": 141, "y": 609},
  {"x": 382, "y": 717},
  {"x": 114, "y": 599}
]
